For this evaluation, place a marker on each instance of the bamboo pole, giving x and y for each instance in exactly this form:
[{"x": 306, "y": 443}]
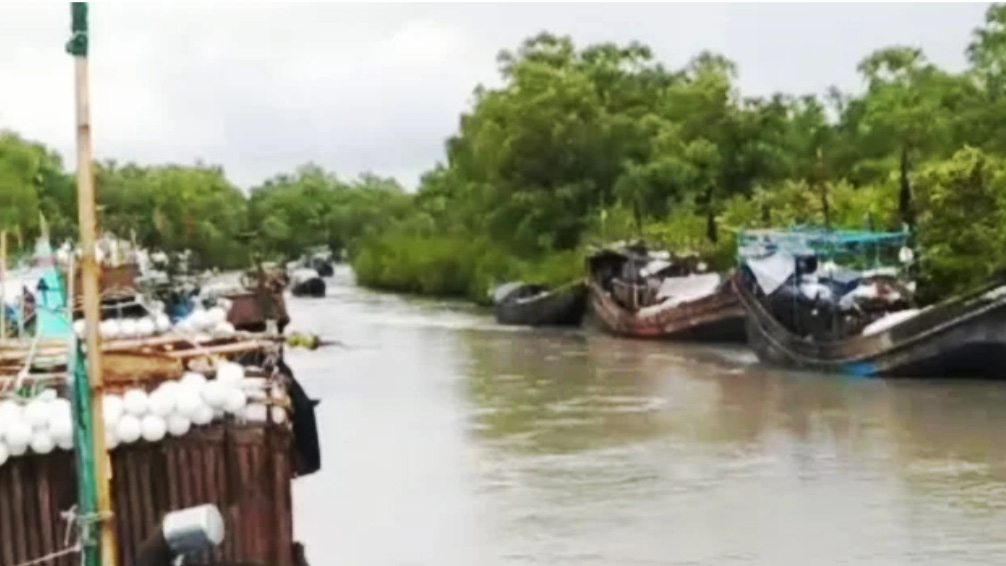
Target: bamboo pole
[
  {"x": 3, "y": 285},
  {"x": 91, "y": 293}
]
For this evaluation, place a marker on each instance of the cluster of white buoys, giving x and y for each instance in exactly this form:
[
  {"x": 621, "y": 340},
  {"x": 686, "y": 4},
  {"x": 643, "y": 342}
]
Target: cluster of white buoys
[
  {"x": 213, "y": 320},
  {"x": 210, "y": 321},
  {"x": 40, "y": 425},
  {"x": 173, "y": 408}
]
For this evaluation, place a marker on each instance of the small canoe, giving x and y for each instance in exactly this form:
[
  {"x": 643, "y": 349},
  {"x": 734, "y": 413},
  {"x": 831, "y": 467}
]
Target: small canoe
[
  {"x": 306, "y": 283},
  {"x": 535, "y": 305},
  {"x": 680, "y": 305}
]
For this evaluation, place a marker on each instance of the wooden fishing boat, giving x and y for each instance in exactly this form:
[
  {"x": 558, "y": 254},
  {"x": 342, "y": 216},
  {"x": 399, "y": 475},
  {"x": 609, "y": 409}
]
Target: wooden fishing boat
[
  {"x": 961, "y": 336},
  {"x": 641, "y": 294},
  {"x": 243, "y": 462},
  {"x": 306, "y": 283},
  {"x": 536, "y": 305}
]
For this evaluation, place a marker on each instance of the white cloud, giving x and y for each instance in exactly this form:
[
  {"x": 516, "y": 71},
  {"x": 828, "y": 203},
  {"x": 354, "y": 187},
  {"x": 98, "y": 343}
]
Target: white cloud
[{"x": 261, "y": 88}]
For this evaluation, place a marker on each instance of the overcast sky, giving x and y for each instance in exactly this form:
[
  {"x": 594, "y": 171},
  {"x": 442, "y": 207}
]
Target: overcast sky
[{"x": 261, "y": 88}]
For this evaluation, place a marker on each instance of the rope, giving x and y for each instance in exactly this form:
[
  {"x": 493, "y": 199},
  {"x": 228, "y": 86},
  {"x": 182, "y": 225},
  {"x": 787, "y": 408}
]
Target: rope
[
  {"x": 74, "y": 549},
  {"x": 72, "y": 519}
]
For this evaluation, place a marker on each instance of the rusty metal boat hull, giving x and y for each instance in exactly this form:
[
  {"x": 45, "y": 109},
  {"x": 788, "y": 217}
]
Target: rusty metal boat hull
[{"x": 716, "y": 318}]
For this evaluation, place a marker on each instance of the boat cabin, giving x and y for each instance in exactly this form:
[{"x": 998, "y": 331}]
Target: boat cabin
[
  {"x": 638, "y": 278},
  {"x": 827, "y": 285}
]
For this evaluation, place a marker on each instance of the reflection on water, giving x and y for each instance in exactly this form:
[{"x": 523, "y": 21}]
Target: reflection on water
[{"x": 448, "y": 440}]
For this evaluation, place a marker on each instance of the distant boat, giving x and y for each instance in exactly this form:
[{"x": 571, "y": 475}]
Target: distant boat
[
  {"x": 536, "y": 305},
  {"x": 639, "y": 293},
  {"x": 318, "y": 259},
  {"x": 322, "y": 265},
  {"x": 805, "y": 311},
  {"x": 306, "y": 282}
]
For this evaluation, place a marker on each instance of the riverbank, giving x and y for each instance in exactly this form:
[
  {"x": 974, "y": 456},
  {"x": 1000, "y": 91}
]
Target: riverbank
[{"x": 451, "y": 267}]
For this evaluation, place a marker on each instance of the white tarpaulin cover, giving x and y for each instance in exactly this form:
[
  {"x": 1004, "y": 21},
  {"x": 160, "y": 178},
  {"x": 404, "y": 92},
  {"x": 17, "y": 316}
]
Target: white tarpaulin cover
[
  {"x": 655, "y": 266},
  {"x": 889, "y": 320},
  {"x": 772, "y": 271},
  {"x": 688, "y": 288}
]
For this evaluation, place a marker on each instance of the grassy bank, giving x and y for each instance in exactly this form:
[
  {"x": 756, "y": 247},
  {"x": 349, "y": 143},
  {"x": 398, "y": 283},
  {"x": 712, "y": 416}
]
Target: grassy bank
[{"x": 447, "y": 266}]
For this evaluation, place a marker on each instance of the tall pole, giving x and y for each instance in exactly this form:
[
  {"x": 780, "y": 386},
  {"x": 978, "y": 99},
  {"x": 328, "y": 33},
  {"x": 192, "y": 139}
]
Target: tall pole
[
  {"x": 3, "y": 285},
  {"x": 78, "y": 47}
]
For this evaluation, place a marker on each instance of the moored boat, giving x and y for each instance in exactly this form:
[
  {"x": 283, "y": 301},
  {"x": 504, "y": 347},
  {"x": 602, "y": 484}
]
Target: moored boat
[
  {"x": 640, "y": 293},
  {"x": 306, "y": 282},
  {"x": 806, "y": 310},
  {"x": 537, "y": 305}
]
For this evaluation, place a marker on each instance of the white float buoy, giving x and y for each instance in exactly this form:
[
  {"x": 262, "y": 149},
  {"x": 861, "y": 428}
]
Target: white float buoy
[
  {"x": 110, "y": 329},
  {"x": 128, "y": 328},
  {"x": 145, "y": 327},
  {"x": 170, "y": 386},
  {"x": 193, "y": 378},
  {"x": 162, "y": 402},
  {"x": 203, "y": 415},
  {"x": 255, "y": 412},
  {"x": 18, "y": 436},
  {"x": 128, "y": 429},
  {"x": 111, "y": 439},
  {"x": 235, "y": 401},
  {"x": 178, "y": 425},
  {"x": 215, "y": 394},
  {"x": 136, "y": 402},
  {"x": 188, "y": 402},
  {"x": 113, "y": 407},
  {"x": 199, "y": 319},
  {"x": 216, "y": 316},
  {"x": 61, "y": 430},
  {"x": 162, "y": 323},
  {"x": 10, "y": 411},
  {"x": 41, "y": 442},
  {"x": 153, "y": 428},
  {"x": 230, "y": 373},
  {"x": 36, "y": 414}
]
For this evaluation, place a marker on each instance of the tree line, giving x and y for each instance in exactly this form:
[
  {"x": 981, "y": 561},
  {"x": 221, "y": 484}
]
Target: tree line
[
  {"x": 174, "y": 208},
  {"x": 585, "y": 144}
]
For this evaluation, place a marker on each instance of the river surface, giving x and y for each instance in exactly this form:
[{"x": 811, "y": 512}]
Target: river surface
[{"x": 450, "y": 441}]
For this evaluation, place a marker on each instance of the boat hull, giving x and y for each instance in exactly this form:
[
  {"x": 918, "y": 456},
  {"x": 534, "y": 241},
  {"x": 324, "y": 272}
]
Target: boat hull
[
  {"x": 563, "y": 307},
  {"x": 324, "y": 268},
  {"x": 716, "y": 318},
  {"x": 314, "y": 287},
  {"x": 962, "y": 337}
]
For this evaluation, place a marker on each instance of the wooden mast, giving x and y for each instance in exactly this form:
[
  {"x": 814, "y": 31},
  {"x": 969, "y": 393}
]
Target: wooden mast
[{"x": 78, "y": 47}]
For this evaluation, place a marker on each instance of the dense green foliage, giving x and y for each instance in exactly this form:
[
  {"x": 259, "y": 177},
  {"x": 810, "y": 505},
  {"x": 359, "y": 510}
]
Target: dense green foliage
[
  {"x": 583, "y": 145},
  {"x": 605, "y": 142}
]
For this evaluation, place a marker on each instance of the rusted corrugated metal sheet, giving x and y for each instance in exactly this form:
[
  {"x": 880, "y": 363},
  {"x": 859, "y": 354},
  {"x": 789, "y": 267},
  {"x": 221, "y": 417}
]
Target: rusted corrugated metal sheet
[
  {"x": 244, "y": 469},
  {"x": 33, "y": 492}
]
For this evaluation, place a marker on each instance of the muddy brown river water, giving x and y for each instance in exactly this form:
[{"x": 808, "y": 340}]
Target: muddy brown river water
[{"x": 450, "y": 441}]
